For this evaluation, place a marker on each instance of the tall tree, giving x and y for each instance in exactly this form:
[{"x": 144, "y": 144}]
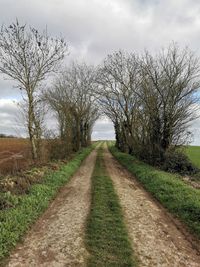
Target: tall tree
[
  {"x": 27, "y": 57},
  {"x": 168, "y": 89},
  {"x": 118, "y": 79},
  {"x": 73, "y": 101}
]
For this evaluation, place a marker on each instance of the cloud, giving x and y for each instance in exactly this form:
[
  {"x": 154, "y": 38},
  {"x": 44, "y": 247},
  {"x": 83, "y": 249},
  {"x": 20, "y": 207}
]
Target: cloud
[
  {"x": 94, "y": 28},
  {"x": 10, "y": 122},
  {"x": 103, "y": 130}
]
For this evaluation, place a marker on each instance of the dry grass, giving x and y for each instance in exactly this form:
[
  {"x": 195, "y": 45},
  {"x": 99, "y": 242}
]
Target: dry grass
[
  {"x": 14, "y": 144},
  {"x": 15, "y": 155}
]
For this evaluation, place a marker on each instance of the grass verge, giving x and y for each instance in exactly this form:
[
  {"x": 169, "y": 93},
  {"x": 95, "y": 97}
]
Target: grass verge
[
  {"x": 25, "y": 209},
  {"x": 106, "y": 235},
  {"x": 179, "y": 198}
]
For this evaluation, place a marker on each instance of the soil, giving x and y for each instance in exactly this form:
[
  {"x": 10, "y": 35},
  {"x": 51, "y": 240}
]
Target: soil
[
  {"x": 156, "y": 239},
  {"x": 57, "y": 238}
]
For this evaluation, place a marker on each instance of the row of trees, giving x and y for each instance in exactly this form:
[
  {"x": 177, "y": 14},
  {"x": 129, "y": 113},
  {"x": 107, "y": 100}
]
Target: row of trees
[
  {"x": 150, "y": 99},
  {"x": 29, "y": 57},
  {"x": 73, "y": 101}
]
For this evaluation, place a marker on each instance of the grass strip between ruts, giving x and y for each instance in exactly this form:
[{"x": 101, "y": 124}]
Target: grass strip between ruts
[
  {"x": 106, "y": 235},
  {"x": 15, "y": 221},
  {"x": 179, "y": 198}
]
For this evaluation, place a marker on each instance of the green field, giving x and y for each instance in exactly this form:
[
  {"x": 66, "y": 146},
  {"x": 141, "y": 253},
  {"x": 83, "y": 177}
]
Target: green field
[{"x": 193, "y": 152}]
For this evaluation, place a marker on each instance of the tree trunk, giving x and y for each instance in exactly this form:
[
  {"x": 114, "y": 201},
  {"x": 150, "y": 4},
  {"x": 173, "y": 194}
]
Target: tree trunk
[
  {"x": 32, "y": 136},
  {"x": 78, "y": 134}
]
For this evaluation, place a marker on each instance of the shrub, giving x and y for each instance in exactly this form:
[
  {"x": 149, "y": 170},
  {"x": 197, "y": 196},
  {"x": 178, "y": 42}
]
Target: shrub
[
  {"x": 177, "y": 161},
  {"x": 58, "y": 149}
]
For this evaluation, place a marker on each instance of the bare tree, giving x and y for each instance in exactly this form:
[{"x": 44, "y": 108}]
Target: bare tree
[
  {"x": 58, "y": 101},
  {"x": 150, "y": 99},
  {"x": 27, "y": 57},
  {"x": 73, "y": 101},
  {"x": 118, "y": 79},
  {"x": 169, "y": 83},
  {"x": 40, "y": 110}
]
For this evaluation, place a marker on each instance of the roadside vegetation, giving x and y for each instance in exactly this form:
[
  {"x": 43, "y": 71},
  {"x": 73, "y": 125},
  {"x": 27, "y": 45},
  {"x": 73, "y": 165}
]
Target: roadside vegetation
[
  {"x": 106, "y": 235},
  {"x": 180, "y": 199},
  {"x": 18, "y": 212},
  {"x": 151, "y": 99}
]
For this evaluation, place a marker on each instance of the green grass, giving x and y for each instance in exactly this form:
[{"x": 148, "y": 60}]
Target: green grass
[
  {"x": 15, "y": 221},
  {"x": 179, "y": 198},
  {"x": 106, "y": 236},
  {"x": 193, "y": 152}
]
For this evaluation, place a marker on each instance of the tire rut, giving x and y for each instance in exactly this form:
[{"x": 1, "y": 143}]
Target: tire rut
[
  {"x": 156, "y": 240},
  {"x": 57, "y": 238}
]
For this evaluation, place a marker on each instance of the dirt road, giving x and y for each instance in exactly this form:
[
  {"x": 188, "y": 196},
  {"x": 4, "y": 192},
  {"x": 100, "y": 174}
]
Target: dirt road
[
  {"x": 155, "y": 238},
  {"x": 57, "y": 239}
]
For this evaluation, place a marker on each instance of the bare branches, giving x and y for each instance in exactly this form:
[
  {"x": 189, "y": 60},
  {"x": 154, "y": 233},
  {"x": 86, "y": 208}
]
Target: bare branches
[
  {"x": 27, "y": 57},
  {"x": 150, "y": 99},
  {"x": 72, "y": 99}
]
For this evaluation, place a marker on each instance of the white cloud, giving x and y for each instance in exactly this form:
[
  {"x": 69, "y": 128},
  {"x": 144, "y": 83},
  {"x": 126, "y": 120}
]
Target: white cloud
[
  {"x": 103, "y": 130},
  {"x": 10, "y": 121},
  {"x": 94, "y": 28}
]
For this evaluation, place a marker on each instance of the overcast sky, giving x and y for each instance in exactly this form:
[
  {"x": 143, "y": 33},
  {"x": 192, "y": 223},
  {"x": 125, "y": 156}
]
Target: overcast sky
[{"x": 94, "y": 28}]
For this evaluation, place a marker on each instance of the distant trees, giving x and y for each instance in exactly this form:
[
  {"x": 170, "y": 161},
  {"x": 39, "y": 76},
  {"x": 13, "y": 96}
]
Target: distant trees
[
  {"x": 6, "y": 136},
  {"x": 73, "y": 101},
  {"x": 150, "y": 99},
  {"x": 27, "y": 57},
  {"x": 118, "y": 80}
]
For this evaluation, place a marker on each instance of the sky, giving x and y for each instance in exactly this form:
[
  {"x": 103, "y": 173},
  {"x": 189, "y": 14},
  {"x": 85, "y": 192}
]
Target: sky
[{"x": 94, "y": 28}]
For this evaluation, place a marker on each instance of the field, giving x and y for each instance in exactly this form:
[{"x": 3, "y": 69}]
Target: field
[
  {"x": 15, "y": 154},
  {"x": 193, "y": 152}
]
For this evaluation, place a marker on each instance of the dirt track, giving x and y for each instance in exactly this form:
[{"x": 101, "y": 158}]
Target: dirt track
[
  {"x": 155, "y": 238},
  {"x": 57, "y": 239}
]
